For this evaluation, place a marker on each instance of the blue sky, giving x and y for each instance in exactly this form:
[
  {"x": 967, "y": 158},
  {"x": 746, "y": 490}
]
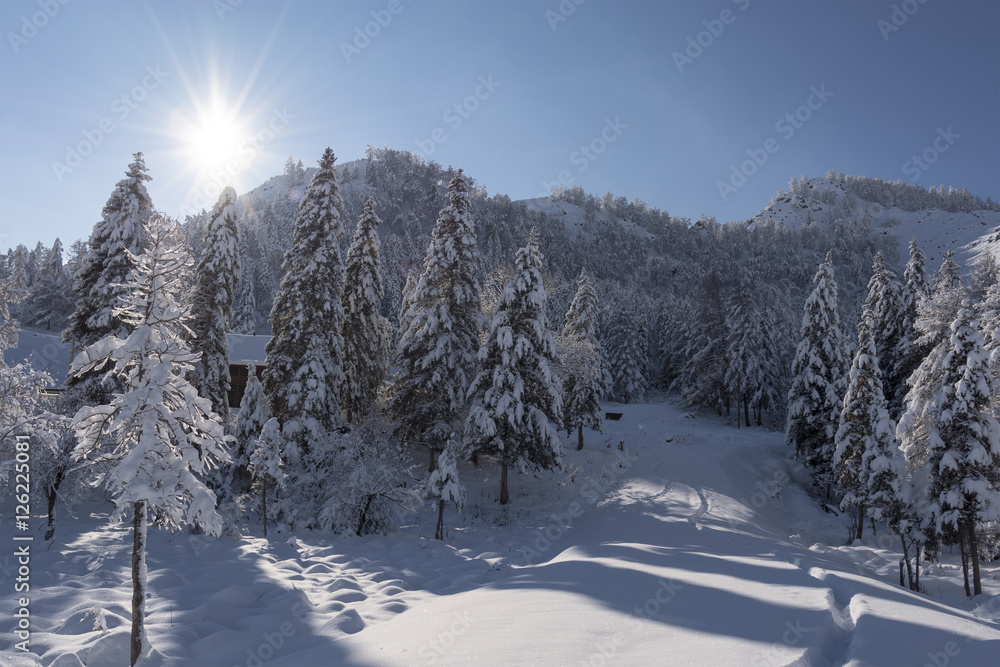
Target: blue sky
[{"x": 591, "y": 93}]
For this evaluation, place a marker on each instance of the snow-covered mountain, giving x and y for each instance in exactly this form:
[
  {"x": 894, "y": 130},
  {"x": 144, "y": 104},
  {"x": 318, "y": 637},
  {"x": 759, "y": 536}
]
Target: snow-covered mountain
[{"x": 820, "y": 201}]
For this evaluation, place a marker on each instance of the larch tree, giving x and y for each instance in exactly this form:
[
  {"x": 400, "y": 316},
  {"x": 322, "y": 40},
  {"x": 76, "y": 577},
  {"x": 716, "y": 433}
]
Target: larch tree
[
  {"x": 217, "y": 275},
  {"x": 516, "y": 397},
  {"x": 436, "y": 355},
  {"x": 157, "y": 437},
  {"x": 116, "y": 240},
  {"x": 585, "y": 377},
  {"x": 366, "y": 332},
  {"x": 305, "y": 355},
  {"x": 744, "y": 346},
  {"x": 964, "y": 446},
  {"x": 818, "y": 374}
]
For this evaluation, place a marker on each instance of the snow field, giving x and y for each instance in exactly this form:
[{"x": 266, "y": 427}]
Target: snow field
[{"x": 695, "y": 544}]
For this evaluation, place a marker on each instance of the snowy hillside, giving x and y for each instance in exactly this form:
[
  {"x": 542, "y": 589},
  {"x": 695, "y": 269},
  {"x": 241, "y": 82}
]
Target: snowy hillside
[
  {"x": 820, "y": 201},
  {"x": 694, "y": 544}
]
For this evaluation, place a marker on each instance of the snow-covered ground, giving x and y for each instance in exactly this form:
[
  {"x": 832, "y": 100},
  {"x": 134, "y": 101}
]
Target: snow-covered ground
[{"x": 694, "y": 544}]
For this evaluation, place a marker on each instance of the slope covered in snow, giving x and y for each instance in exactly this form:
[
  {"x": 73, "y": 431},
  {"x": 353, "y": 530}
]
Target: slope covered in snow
[
  {"x": 692, "y": 544},
  {"x": 821, "y": 201}
]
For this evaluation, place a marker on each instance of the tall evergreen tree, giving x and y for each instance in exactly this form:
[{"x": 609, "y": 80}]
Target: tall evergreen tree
[
  {"x": 745, "y": 372},
  {"x": 628, "y": 350},
  {"x": 216, "y": 277},
  {"x": 917, "y": 287},
  {"x": 116, "y": 240},
  {"x": 517, "y": 398},
  {"x": 305, "y": 355},
  {"x": 158, "y": 436},
  {"x": 586, "y": 380},
  {"x": 866, "y": 432},
  {"x": 884, "y": 307},
  {"x": 703, "y": 377},
  {"x": 964, "y": 444},
  {"x": 436, "y": 355},
  {"x": 818, "y": 376},
  {"x": 366, "y": 332},
  {"x": 51, "y": 295}
]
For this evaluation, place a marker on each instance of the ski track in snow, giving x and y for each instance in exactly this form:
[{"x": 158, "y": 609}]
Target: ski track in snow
[{"x": 692, "y": 546}]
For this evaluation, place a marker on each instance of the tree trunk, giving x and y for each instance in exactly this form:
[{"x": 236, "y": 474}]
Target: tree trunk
[
  {"x": 916, "y": 568},
  {"x": 861, "y": 520},
  {"x": 746, "y": 411},
  {"x": 504, "y": 494},
  {"x": 364, "y": 515},
  {"x": 579, "y": 437},
  {"x": 138, "y": 639},
  {"x": 977, "y": 585},
  {"x": 430, "y": 464},
  {"x": 264, "y": 509},
  {"x": 439, "y": 531},
  {"x": 52, "y": 493},
  {"x": 965, "y": 563}
]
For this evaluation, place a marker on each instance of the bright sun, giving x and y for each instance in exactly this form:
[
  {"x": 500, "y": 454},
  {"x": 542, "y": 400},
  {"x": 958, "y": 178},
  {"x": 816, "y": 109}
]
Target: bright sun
[{"x": 213, "y": 138}]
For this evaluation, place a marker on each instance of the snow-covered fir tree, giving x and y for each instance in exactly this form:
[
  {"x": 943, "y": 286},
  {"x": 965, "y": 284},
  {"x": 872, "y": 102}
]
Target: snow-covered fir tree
[
  {"x": 746, "y": 371},
  {"x": 866, "y": 431},
  {"x": 436, "y": 355},
  {"x": 517, "y": 397},
  {"x": 964, "y": 445},
  {"x": 916, "y": 287},
  {"x": 366, "y": 332},
  {"x": 935, "y": 315},
  {"x": 818, "y": 378},
  {"x": 702, "y": 379},
  {"x": 445, "y": 485},
  {"x": 51, "y": 295},
  {"x": 158, "y": 436},
  {"x": 305, "y": 355},
  {"x": 249, "y": 422},
  {"x": 116, "y": 240},
  {"x": 266, "y": 466},
  {"x": 884, "y": 307},
  {"x": 627, "y": 353},
  {"x": 586, "y": 380},
  {"x": 216, "y": 277},
  {"x": 245, "y": 309}
]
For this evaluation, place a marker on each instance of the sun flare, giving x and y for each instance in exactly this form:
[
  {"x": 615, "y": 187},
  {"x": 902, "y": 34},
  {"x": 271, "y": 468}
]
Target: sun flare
[{"x": 214, "y": 138}]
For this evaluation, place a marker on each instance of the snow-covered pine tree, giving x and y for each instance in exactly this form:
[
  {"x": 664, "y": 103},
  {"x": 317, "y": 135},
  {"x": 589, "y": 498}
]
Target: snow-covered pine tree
[
  {"x": 245, "y": 308},
  {"x": 627, "y": 350},
  {"x": 265, "y": 465},
  {"x": 884, "y": 307},
  {"x": 702, "y": 379},
  {"x": 409, "y": 289},
  {"x": 917, "y": 286},
  {"x": 744, "y": 345},
  {"x": 989, "y": 323},
  {"x": 436, "y": 355},
  {"x": 51, "y": 295},
  {"x": 305, "y": 355},
  {"x": 445, "y": 486},
  {"x": 116, "y": 240},
  {"x": 866, "y": 431},
  {"x": 158, "y": 436},
  {"x": 935, "y": 314},
  {"x": 818, "y": 375},
  {"x": 585, "y": 377},
  {"x": 216, "y": 277},
  {"x": 964, "y": 445},
  {"x": 516, "y": 397},
  {"x": 249, "y": 422},
  {"x": 366, "y": 332}
]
